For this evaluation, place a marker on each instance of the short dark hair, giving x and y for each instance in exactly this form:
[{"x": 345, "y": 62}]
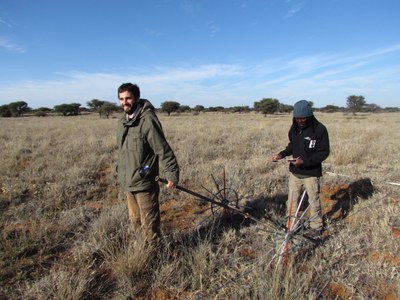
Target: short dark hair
[{"x": 129, "y": 87}]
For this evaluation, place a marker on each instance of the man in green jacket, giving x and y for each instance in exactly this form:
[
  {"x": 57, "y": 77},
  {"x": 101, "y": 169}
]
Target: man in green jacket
[{"x": 141, "y": 146}]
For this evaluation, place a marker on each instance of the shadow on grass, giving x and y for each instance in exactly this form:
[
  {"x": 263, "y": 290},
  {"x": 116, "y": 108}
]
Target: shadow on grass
[{"x": 346, "y": 197}]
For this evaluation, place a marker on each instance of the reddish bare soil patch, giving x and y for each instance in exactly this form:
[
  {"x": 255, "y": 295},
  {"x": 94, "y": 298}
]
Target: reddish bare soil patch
[
  {"x": 26, "y": 226},
  {"x": 246, "y": 252},
  {"x": 384, "y": 257},
  {"x": 338, "y": 291},
  {"x": 387, "y": 292},
  {"x": 107, "y": 189},
  {"x": 333, "y": 200},
  {"x": 166, "y": 295},
  {"x": 337, "y": 201},
  {"x": 181, "y": 215},
  {"x": 96, "y": 205},
  {"x": 381, "y": 290},
  {"x": 330, "y": 202},
  {"x": 396, "y": 232},
  {"x": 160, "y": 294}
]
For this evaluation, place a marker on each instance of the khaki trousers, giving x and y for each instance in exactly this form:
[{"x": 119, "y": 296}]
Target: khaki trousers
[
  {"x": 144, "y": 211},
  {"x": 312, "y": 187}
]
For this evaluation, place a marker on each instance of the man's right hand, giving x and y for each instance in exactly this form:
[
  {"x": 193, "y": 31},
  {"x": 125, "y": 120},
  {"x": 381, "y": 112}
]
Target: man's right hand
[{"x": 171, "y": 185}]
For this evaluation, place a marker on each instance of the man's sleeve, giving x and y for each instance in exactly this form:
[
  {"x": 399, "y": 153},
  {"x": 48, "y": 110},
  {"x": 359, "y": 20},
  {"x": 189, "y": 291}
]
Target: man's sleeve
[{"x": 162, "y": 149}]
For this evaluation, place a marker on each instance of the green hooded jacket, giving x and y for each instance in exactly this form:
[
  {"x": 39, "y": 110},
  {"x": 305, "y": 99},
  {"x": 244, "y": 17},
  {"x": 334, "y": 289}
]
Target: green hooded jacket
[{"x": 141, "y": 142}]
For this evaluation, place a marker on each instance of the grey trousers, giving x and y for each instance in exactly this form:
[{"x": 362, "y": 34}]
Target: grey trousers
[{"x": 312, "y": 186}]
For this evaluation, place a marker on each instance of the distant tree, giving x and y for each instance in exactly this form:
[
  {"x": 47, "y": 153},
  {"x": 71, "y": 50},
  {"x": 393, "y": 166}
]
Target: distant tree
[
  {"x": 170, "y": 106},
  {"x": 355, "y": 103},
  {"x": 267, "y": 106},
  {"x": 246, "y": 108},
  {"x": 45, "y": 109},
  {"x": 68, "y": 109},
  {"x": 216, "y": 108},
  {"x": 95, "y": 104},
  {"x": 391, "y": 109},
  {"x": 14, "y": 109},
  {"x": 285, "y": 108},
  {"x": 330, "y": 108},
  {"x": 184, "y": 108},
  {"x": 18, "y": 108},
  {"x": 5, "y": 111},
  {"x": 103, "y": 108},
  {"x": 42, "y": 111},
  {"x": 371, "y": 108},
  {"x": 240, "y": 109},
  {"x": 75, "y": 108},
  {"x": 62, "y": 109},
  {"x": 107, "y": 108},
  {"x": 198, "y": 108},
  {"x": 84, "y": 109}
]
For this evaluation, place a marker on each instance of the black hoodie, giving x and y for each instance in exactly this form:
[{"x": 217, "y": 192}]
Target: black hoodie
[{"x": 311, "y": 144}]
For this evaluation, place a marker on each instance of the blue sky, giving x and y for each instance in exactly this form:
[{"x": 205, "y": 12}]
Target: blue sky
[{"x": 209, "y": 52}]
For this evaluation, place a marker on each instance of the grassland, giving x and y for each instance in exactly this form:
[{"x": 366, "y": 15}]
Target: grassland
[{"x": 65, "y": 232}]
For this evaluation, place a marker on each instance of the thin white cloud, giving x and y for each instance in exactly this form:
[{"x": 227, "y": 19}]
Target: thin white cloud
[
  {"x": 243, "y": 4},
  {"x": 213, "y": 28},
  {"x": 166, "y": 74},
  {"x": 4, "y": 22},
  {"x": 10, "y": 46},
  {"x": 322, "y": 78},
  {"x": 189, "y": 6},
  {"x": 295, "y": 8},
  {"x": 152, "y": 32}
]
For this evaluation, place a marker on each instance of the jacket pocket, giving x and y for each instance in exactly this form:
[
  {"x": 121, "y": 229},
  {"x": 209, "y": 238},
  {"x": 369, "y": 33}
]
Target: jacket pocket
[{"x": 134, "y": 142}]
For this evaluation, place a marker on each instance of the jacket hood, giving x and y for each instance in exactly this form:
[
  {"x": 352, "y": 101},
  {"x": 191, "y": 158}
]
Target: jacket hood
[
  {"x": 313, "y": 122},
  {"x": 143, "y": 106}
]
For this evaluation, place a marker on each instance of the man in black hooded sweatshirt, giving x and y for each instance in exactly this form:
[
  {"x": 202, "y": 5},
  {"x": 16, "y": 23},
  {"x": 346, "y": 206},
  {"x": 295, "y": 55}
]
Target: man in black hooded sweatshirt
[{"x": 309, "y": 147}]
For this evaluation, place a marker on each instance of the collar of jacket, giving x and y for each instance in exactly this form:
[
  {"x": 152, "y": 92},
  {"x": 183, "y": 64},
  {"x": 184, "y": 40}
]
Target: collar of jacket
[
  {"x": 142, "y": 108},
  {"x": 134, "y": 114}
]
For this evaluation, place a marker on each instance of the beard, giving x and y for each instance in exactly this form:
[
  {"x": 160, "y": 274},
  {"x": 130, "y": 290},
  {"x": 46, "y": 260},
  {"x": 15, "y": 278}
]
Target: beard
[{"x": 129, "y": 109}]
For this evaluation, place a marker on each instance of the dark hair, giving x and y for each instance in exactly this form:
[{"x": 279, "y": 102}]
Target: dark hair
[
  {"x": 312, "y": 121},
  {"x": 129, "y": 87}
]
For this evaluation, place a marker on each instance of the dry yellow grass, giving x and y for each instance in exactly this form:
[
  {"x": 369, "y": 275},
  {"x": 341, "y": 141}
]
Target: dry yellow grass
[{"x": 65, "y": 232}]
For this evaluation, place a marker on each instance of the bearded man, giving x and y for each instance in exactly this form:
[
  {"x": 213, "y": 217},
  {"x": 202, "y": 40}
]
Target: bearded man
[{"x": 141, "y": 146}]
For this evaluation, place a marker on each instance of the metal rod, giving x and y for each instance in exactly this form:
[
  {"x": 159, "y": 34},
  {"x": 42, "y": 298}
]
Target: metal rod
[
  {"x": 181, "y": 188},
  {"x": 224, "y": 205}
]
